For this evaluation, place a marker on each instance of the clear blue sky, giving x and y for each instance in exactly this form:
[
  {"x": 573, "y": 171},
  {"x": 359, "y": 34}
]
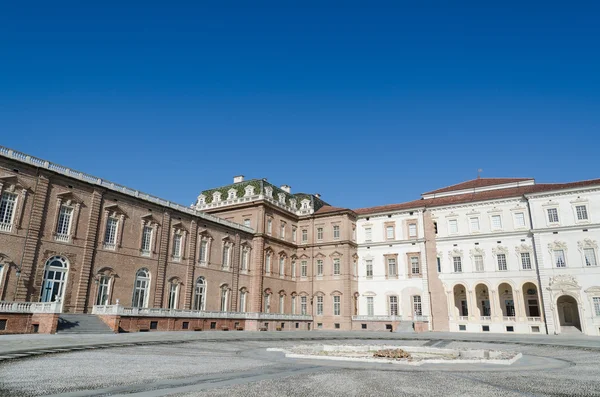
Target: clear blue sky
[{"x": 366, "y": 103}]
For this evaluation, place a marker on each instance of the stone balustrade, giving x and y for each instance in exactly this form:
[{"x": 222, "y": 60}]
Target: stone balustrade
[
  {"x": 30, "y": 307},
  {"x": 377, "y": 318}
]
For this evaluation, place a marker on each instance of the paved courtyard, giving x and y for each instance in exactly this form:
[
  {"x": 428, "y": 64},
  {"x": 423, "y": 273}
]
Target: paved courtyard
[{"x": 238, "y": 364}]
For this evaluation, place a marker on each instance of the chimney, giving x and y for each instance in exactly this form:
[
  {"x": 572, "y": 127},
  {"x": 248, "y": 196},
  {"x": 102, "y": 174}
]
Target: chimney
[
  {"x": 286, "y": 188},
  {"x": 318, "y": 195},
  {"x": 238, "y": 179}
]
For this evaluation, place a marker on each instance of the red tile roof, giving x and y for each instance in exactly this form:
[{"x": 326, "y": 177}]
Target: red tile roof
[
  {"x": 480, "y": 196},
  {"x": 328, "y": 208},
  {"x": 479, "y": 182}
]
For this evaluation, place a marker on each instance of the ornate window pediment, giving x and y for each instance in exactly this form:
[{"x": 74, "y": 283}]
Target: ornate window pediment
[
  {"x": 336, "y": 293},
  {"x": 69, "y": 198},
  {"x": 563, "y": 282},
  {"x": 476, "y": 251},
  {"x": 115, "y": 211},
  {"x": 523, "y": 248},
  {"x": 282, "y": 254},
  {"x": 499, "y": 250},
  {"x": 149, "y": 220},
  {"x": 557, "y": 245},
  {"x": 320, "y": 255},
  {"x": 231, "y": 194},
  {"x": 319, "y": 293},
  {"x": 249, "y": 190},
  {"x": 304, "y": 256},
  {"x": 336, "y": 254},
  {"x": 455, "y": 252},
  {"x": 587, "y": 243},
  {"x": 369, "y": 293}
]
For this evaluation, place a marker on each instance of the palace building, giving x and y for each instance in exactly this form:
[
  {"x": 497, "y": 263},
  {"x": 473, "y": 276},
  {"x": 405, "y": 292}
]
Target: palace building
[{"x": 487, "y": 255}]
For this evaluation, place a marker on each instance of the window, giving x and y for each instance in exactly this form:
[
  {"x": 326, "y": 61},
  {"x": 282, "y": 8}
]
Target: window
[
  {"x": 590, "y": 257},
  {"x": 245, "y": 254},
  {"x": 319, "y": 233},
  {"x": 552, "y": 215},
  {"x": 368, "y": 234},
  {"x": 173, "y": 295},
  {"x": 559, "y": 258},
  {"x": 353, "y": 232},
  {"x": 501, "y": 258},
  {"x": 369, "y": 269},
  {"x": 203, "y": 251},
  {"x": 243, "y": 301},
  {"x": 103, "y": 289},
  {"x": 439, "y": 264},
  {"x": 269, "y": 226},
  {"x": 336, "y": 232},
  {"x": 389, "y": 232},
  {"x": 319, "y": 267},
  {"x": 303, "y": 269},
  {"x": 393, "y": 305},
  {"x": 268, "y": 263},
  {"x": 110, "y": 236},
  {"x": 282, "y": 230},
  {"x": 224, "y": 299},
  {"x": 519, "y": 219},
  {"x": 474, "y": 224},
  {"x": 336, "y": 267},
  {"x": 177, "y": 248},
  {"x": 281, "y": 304},
  {"x": 7, "y": 211},
  {"x": 226, "y": 252},
  {"x": 247, "y": 222},
  {"x": 293, "y": 304},
  {"x": 282, "y": 266},
  {"x": 146, "y": 240},
  {"x": 525, "y": 261},
  {"x": 457, "y": 264},
  {"x": 496, "y": 222},
  {"x": 294, "y": 233},
  {"x": 267, "y": 303},
  {"x": 199, "y": 294},
  {"x": 510, "y": 307},
  {"x": 304, "y": 235},
  {"x": 415, "y": 267},
  {"x": 303, "y": 305},
  {"x": 63, "y": 229},
  {"x": 370, "y": 308},
  {"x": 141, "y": 288},
  {"x": 596, "y": 301},
  {"x": 319, "y": 305},
  {"x": 417, "y": 308},
  {"x": 412, "y": 230},
  {"x": 392, "y": 271},
  {"x": 582, "y": 214},
  {"x": 293, "y": 269},
  {"x": 337, "y": 306},
  {"x": 453, "y": 226},
  {"x": 478, "y": 259}
]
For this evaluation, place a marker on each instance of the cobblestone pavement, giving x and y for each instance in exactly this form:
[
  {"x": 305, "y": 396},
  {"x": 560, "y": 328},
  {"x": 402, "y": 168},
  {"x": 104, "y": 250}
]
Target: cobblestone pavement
[{"x": 237, "y": 364}]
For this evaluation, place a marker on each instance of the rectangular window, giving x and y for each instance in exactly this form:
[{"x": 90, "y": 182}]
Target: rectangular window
[
  {"x": 412, "y": 230},
  {"x": 337, "y": 303},
  {"x": 336, "y": 267},
  {"x": 269, "y": 226},
  {"x": 453, "y": 226},
  {"x": 293, "y": 269},
  {"x": 319, "y": 267},
  {"x": 415, "y": 266},
  {"x": 173, "y": 289},
  {"x": 590, "y": 257},
  {"x": 281, "y": 304},
  {"x": 224, "y": 297},
  {"x": 319, "y": 233},
  {"x": 64, "y": 221},
  {"x": 392, "y": 272},
  {"x": 110, "y": 236},
  {"x": 282, "y": 230},
  {"x": 474, "y": 224},
  {"x": 304, "y": 269},
  {"x": 294, "y": 233},
  {"x": 501, "y": 262},
  {"x": 417, "y": 308},
  {"x": 268, "y": 263},
  {"x": 303, "y": 305},
  {"x": 368, "y": 234},
  {"x": 226, "y": 251},
  {"x": 268, "y": 303},
  {"x": 393, "y": 305},
  {"x": 336, "y": 232},
  {"x": 389, "y": 232},
  {"x": 203, "y": 251},
  {"x": 582, "y": 214},
  {"x": 496, "y": 222},
  {"x": 319, "y": 305},
  {"x": 519, "y": 219},
  {"x": 370, "y": 307},
  {"x": 245, "y": 258},
  {"x": 525, "y": 261},
  {"x": 369, "y": 269},
  {"x": 146, "y": 240},
  {"x": 439, "y": 264},
  {"x": 282, "y": 266},
  {"x": 552, "y": 215},
  {"x": 243, "y": 301},
  {"x": 293, "y": 305},
  {"x": 559, "y": 258},
  {"x": 478, "y": 259},
  {"x": 457, "y": 264},
  {"x": 596, "y": 300},
  {"x": 304, "y": 235},
  {"x": 247, "y": 222},
  {"x": 7, "y": 210},
  {"x": 177, "y": 247}
]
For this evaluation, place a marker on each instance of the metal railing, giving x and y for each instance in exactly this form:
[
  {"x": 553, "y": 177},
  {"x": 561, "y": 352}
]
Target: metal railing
[{"x": 30, "y": 307}]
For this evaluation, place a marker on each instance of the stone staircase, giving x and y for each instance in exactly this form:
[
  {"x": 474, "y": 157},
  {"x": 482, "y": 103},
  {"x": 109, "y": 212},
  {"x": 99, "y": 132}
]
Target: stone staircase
[
  {"x": 569, "y": 330},
  {"x": 405, "y": 327},
  {"x": 81, "y": 324}
]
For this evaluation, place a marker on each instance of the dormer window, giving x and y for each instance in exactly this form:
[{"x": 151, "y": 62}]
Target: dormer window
[
  {"x": 305, "y": 204},
  {"x": 281, "y": 197},
  {"x": 231, "y": 194},
  {"x": 293, "y": 203},
  {"x": 216, "y": 197},
  {"x": 201, "y": 199},
  {"x": 249, "y": 190},
  {"x": 269, "y": 191}
]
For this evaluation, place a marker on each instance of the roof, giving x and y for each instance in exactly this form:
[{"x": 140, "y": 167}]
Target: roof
[
  {"x": 478, "y": 183},
  {"x": 328, "y": 209},
  {"x": 478, "y": 196}
]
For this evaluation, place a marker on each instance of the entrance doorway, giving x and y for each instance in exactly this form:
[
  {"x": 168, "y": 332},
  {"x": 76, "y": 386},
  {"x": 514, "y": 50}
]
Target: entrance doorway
[{"x": 568, "y": 313}]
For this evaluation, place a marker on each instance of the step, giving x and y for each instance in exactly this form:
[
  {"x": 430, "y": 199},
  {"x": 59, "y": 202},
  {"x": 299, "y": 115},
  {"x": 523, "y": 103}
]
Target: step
[{"x": 81, "y": 324}]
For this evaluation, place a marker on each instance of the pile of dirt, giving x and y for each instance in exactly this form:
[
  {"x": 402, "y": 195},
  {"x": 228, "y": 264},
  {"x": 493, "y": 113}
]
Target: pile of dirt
[{"x": 394, "y": 354}]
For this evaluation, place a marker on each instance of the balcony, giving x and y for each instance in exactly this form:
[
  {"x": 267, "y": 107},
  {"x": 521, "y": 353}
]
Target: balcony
[
  {"x": 30, "y": 307},
  {"x": 109, "y": 246},
  {"x": 6, "y": 227},
  {"x": 63, "y": 238},
  {"x": 485, "y": 318},
  {"x": 510, "y": 319},
  {"x": 376, "y": 318},
  {"x": 534, "y": 319}
]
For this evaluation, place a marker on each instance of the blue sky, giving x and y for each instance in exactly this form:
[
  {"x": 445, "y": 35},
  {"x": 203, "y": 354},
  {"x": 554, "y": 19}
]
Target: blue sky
[{"x": 367, "y": 103}]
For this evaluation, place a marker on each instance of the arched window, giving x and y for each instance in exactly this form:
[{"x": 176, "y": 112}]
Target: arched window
[
  {"x": 224, "y": 298},
  {"x": 173, "y": 293},
  {"x": 55, "y": 277},
  {"x": 199, "y": 292},
  {"x": 141, "y": 288}
]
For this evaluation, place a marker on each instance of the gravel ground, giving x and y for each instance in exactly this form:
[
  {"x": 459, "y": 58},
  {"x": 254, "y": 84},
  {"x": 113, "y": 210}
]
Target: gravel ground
[{"x": 244, "y": 369}]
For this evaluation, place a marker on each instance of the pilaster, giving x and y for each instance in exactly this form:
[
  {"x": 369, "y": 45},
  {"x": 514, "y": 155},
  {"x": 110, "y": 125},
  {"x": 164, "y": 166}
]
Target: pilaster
[
  {"x": 191, "y": 263},
  {"x": 235, "y": 273},
  {"x": 439, "y": 320},
  {"x": 163, "y": 255}
]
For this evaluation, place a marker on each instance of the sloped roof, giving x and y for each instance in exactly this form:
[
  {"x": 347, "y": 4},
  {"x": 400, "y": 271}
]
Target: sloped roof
[
  {"x": 479, "y": 196},
  {"x": 328, "y": 208},
  {"x": 479, "y": 182}
]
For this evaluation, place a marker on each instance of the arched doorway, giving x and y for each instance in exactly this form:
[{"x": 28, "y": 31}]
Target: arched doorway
[
  {"x": 482, "y": 294},
  {"x": 507, "y": 301},
  {"x": 55, "y": 278},
  {"x": 568, "y": 313},
  {"x": 460, "y": 301}
]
